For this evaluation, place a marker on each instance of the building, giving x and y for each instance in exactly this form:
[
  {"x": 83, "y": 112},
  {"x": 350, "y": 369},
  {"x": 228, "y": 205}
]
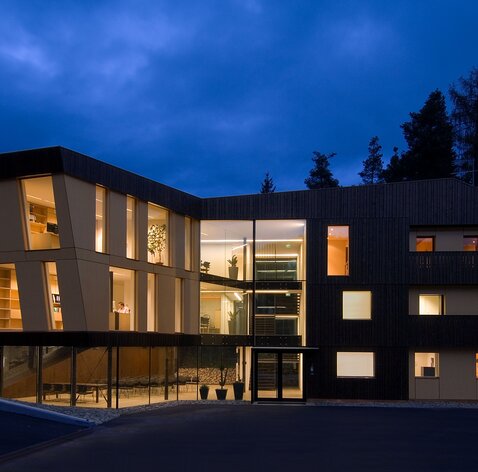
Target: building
[{"x": 117, "y": 290}]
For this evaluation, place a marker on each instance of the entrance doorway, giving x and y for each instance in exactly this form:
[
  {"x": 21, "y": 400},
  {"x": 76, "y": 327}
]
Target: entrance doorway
[{"x": 278, "y": 375}]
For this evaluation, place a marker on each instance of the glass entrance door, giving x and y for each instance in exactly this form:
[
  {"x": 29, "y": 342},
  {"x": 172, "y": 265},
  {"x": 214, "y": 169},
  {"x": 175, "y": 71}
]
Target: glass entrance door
[{"x": 278, "y": 376}]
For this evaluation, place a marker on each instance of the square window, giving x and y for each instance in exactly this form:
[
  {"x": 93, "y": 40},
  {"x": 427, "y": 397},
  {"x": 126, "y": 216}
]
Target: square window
[
  {"x": 470, "y": 243},
  {"x": 426, "y": 364},
  {"x": 431, "y": 305},
  {"x": 355, "y": 364},
  {"x": 425, "y": 244},
  {"x": 357, "y": 305}
]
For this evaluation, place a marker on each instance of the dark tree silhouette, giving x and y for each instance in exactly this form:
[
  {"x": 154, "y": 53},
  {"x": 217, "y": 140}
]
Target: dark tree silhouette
[
  {"x": 320, "y": 174},
  {"x": 394, "y": 171},
  {"x": 464, "y": 117},
  {"x": 373, "y": 165},
  {"x": 267, "y": 185}
]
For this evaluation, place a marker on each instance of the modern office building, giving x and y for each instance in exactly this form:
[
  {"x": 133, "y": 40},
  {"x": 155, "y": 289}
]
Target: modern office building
[{"x": 118, "y": 290}]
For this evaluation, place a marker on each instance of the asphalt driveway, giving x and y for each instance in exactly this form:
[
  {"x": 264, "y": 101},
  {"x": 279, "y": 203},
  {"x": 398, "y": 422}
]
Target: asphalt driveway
[{"x": 266, "y": 438}]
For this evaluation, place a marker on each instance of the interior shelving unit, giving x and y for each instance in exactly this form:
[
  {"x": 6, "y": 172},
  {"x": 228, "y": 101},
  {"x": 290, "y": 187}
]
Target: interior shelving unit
[{"x": 10, "y": 315}]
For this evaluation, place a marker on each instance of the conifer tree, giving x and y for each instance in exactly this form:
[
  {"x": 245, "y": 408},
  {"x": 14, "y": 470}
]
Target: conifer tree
[
  {"x": 267, "y": 185},
  {"x": 373, "y": 165},
  {"x": 320, "y": 174}
]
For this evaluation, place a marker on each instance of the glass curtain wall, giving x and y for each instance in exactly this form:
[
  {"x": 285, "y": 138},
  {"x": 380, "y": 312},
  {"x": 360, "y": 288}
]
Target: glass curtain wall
[
  {"x": 40, "y": 213},
  {"x": 158, "y": 235},
  {"x": 10, "y": 312}
]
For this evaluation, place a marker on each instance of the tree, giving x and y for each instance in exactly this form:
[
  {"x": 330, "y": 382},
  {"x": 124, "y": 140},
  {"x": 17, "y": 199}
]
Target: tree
[
  {"x": 464, "y": 116},
  {"x": 394, "y": 171},
  {"x": 267, "y": 185},
  {"x": 429, "y": 135},
  {"x": 320, "y": 174},
  {"x": 373, "y": 165}
]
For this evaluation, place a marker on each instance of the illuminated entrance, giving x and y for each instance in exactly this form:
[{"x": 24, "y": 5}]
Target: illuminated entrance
[{"x": 278, "y": 374}]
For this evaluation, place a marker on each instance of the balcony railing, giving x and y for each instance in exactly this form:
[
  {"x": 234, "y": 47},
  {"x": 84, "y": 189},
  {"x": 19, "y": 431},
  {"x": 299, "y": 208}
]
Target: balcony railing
[{"x": 443, "y": 268}]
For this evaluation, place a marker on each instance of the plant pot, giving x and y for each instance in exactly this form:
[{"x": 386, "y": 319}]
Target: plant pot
[
  {"x": 232, "y": 327},
  {"x": 233, "y": 272},
  {"x": 221, "y": 393},
  {"x": 204, "y": 392},
  {"x": 238, "y": 390}
]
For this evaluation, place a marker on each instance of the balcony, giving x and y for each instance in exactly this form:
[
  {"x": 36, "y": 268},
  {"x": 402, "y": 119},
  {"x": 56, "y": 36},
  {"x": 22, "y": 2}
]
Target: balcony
[{"x": 437, "y": 268}]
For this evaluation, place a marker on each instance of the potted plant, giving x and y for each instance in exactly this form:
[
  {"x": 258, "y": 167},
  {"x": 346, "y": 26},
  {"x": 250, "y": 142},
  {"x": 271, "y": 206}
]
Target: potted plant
[
  {"x": 204, "y": 391},
  {"x": 233, "y": 269},
  {"x": 157, "y": 241},
  {"x": 205, "y": 266},
  {"x": 238, "y": 387},
  {"x": 221, "y": 393}
]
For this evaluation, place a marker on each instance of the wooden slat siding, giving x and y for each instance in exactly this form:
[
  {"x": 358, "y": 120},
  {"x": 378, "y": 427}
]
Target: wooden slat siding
[
  {"x": 57, "y": 160},
  {"x": 437, "y": 268}
]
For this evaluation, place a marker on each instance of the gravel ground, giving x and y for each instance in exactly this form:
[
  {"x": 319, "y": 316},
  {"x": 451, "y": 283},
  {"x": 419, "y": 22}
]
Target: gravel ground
[{"x": 102, "y": 415}]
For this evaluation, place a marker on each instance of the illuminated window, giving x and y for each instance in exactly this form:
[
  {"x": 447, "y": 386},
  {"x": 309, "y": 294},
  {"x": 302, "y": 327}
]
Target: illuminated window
[
  {"x": 131, "y": 227},
  {"x": 100, "y": 242},
  {"x": 42, "y": 223},
  {"x": 55, "y": 300},
  {"x": 426, "y": 364},
  {"x": 151, "y": 317},
  {"x": 430, "y": 304},
  {"x": 357, "y": 305},
  {"x": 476, "y": 365},
  {"x": 122, "y": 316},
  {"x": 355, "y": 364},
  {"x": 178, "y": 306},
  {"x": 470, "y": 243},
  {"x": 10, "y": 313},
  {"x": 158, "y": 240},
  {"x": 425, "y": 243},
  {"x": 338, "y": 250},
  {"x": 187, "y": 243}
]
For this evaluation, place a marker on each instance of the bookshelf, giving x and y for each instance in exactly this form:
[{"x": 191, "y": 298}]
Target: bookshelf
[{"x": 10, "y": 315}]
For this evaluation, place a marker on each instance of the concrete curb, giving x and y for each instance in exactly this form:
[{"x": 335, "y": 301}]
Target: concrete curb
[{"x": 27, "y": 410}]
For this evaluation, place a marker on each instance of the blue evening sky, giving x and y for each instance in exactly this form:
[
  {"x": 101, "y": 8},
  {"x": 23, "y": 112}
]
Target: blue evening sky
[{"x": 208, "y": 95}]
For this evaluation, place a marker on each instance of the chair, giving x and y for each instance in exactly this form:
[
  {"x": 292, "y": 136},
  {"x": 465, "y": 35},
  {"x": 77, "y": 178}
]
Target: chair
[{"x": 204, "y": 323}]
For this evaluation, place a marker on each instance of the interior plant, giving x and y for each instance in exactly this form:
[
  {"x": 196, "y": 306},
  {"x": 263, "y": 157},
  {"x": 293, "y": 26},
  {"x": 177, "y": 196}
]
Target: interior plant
[
  {"x": 221, "y": 393},
  {"x": 204, "y": 391},
  {"x": 157, "y": 240},
  {"x": 238, "y": 387},
  {"x": 205, "y": 266},
  {"x": 233, "y": 269}
]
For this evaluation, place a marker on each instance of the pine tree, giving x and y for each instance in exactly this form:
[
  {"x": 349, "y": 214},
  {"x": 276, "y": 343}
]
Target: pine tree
[
  {"x": 267, "y": 185},
  {"x": 394, "y": 171},
  {"x": 320, "y": 174},
  {"x": 464, "y": 117},
  {"x": 429, "y": 135},
  {"x": 373, "y": 165}
]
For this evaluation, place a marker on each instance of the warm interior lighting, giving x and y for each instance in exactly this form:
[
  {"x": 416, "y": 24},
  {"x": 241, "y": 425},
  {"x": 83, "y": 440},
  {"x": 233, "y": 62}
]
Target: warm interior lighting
[
  {"x": 338, "y": 250},
  {"x": 430, "y": 304},
  {"x": 357, "y": 305},
  {"x": 355, "y": 364}
]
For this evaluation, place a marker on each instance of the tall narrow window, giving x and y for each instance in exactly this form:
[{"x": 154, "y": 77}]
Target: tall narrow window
[
  {"x": 100, "y": 241},
  {"x": 10, "y": 313},
  {"x": 426, "y": 364},
  {"x": 42, "y": 223},
  {"x": 338, "y": 250},
  {"x": 122, "y": 316},
  {"x": 151, "y": 308},
  {"x": 187, "y": 243},
  {"x": 425, "y": 244},
  {"x": 431, "y": 304},
  {"x": 178, "y": 306},
  {"x": 55, "y": 300},
  {"x": 357, "y": 305},
  {"x": 131, "y": 228},
  {"x": 158, "y": 235},
  {"x": 355, "y": 364}
]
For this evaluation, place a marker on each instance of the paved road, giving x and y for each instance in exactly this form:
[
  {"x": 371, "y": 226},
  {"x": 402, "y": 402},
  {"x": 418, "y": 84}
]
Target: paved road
[{"x": 267, "y": 438}]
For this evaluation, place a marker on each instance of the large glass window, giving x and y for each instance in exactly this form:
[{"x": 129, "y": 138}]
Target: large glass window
[
  {"x": 10, "y": 313},
  {"x": 226, "y": 249},
  {"x": 42, "y": 223},
  {"x": 122, "y": 316},
  {"x": 355, "y": 364},
  {"x": 131, "y": 227},
  {"x": 426, "y": 364},
  {"x": 425, "y": 244},
  {"x": 158, "y": 235},
  {"x": 470, "y": 243},
  {"x": 151, "y": 318},
  {"x": 431, "y": 304},
  {"x": 338, "y": 250},
  {"x": 55, "y": 300},
  {"x": 178, "y": 306},
  {"x": 187, "y": 243},
  {"x": 357, "y": 305},
  {"x": 100, "y": 244}
]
